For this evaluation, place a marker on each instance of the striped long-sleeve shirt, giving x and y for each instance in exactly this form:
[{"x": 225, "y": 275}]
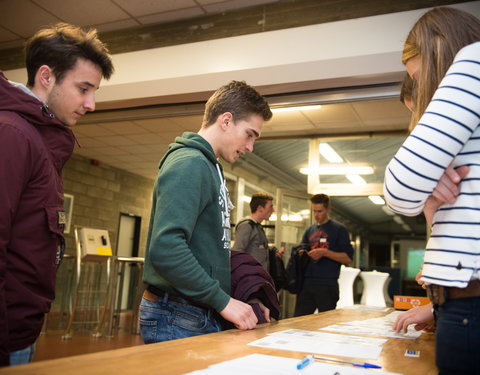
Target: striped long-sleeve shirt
[{"x": 447, "y": 133}]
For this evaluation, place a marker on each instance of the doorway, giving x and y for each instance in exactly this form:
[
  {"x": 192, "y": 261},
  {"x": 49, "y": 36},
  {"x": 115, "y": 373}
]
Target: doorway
[{"x": 127, "y": 247}]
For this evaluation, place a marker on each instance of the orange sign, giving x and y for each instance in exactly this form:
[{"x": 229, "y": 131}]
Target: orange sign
[{"x": 408, "y": 302}]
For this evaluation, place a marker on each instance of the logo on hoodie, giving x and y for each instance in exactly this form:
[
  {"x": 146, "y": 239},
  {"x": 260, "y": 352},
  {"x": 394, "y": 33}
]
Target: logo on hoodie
[{"x": 225, "y": 205}]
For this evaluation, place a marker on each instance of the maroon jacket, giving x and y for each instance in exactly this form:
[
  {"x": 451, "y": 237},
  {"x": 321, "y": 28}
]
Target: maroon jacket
[
  {"x": 34, "y": 147},
  {"x": 250, "y": 280}
]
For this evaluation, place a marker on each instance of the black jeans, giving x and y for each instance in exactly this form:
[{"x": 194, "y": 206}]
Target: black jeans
[
  {"x": 458, "y": 337},
  {"x": 316, "y": 296}
]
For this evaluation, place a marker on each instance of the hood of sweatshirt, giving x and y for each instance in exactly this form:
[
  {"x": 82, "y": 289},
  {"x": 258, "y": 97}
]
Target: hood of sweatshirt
[
  {"x": 191, "y": 140},
  {"x": 57, "y": 137}
]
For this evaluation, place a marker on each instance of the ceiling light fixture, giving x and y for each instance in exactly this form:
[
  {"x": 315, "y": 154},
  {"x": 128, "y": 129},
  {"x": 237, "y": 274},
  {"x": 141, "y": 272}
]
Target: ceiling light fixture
[
  {"x": 356, "y": 179},
  {"x": 298, "y": 108},
  {"x": 377, "y": 199},
  {"x": 388, "y": 211},
  {"x": 406, "y": 228},
  {"x": 337, "y": 169},
  {"x": 398, "y": 220},
  {"x": 329, "y": 153}
]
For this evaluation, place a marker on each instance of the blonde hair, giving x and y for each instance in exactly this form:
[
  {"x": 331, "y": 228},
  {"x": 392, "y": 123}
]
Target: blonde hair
[{"x": 436, "y": 38}]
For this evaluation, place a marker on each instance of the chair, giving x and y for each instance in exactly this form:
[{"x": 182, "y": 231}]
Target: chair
[
  {"x": 373, "y": 288},
  {"x": 345, "y": 285}
]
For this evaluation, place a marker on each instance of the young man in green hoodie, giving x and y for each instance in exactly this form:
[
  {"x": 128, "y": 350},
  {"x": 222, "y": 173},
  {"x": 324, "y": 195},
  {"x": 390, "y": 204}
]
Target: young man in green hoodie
[{"x": 187, "y": 264}]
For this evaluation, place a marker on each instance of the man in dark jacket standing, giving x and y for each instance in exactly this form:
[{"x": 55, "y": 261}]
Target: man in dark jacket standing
[{"x": 65, "y": 66}]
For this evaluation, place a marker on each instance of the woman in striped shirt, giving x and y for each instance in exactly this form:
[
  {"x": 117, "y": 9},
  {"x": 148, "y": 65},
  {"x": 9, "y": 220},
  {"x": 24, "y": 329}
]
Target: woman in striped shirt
[{"x": 442, "y": 54}]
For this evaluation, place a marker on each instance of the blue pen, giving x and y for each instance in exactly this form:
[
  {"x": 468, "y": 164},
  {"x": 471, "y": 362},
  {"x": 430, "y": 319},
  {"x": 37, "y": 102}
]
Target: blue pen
[
  {"x": 305, "y": 362},
  {"x": 365, "y": 365}
]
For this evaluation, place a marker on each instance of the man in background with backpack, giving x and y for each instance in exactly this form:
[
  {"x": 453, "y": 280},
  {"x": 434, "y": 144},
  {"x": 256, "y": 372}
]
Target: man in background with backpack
[{"x": 250, "y": 236}]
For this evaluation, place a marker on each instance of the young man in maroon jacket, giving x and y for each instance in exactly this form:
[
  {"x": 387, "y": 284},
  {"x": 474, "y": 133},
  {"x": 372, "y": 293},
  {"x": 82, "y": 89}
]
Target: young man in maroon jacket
[{"x": 65, "y": 66}]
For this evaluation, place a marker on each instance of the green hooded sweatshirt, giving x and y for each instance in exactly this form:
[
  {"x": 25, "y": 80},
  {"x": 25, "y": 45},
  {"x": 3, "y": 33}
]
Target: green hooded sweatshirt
[{"x": 188, "y": 243}]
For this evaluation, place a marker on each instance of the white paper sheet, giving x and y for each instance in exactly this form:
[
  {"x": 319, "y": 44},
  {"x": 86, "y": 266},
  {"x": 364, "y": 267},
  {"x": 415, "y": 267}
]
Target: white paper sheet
[
  {"x": 374, "y": 327},
  {"x": 261, "y": 364},
  {"x": 366, "y": 308},
  {"x": 323, "y": 343}
]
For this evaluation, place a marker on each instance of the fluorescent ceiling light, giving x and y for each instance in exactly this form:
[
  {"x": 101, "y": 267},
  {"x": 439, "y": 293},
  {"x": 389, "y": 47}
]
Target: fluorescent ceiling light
[
  {"x": 356, "y": 179},
  {"x": 398, "y": 220},
  {"x": 388, "y": 211},
  {"x": 377, "y": 199},
  {"x": 406, "y": 228},
  {"x": 336, "y": 169},
  {"x": 298, "y": 108},
  {"x": 329, "y": 153},
  {"x": 246, "y": 199}
]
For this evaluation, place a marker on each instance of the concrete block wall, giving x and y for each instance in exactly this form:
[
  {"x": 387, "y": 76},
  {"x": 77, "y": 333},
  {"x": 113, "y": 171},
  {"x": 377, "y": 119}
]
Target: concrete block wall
[{"x": 101, "y": 193}]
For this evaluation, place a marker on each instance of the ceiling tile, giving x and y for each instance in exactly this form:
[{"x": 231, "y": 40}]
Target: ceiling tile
[
  {"x": 158, "y": 125},
  {"x": 117, "y": 140},
  {"x": 146, "y": 139},
  {"x": 288, "y": 117},
  {"x": 384, "y": 110},
  {"x": 33, "y": 17},
  {"x": 146, "y": 7},
  {"x": 7, "y": 36},
  {"x": 171, "y": 16},
  {"x": 117, "y": 25},
  {"x": 86, "y": 142},
  {"x": 84, "y": 12},
  {"x": 124, "y": 127},
  {"x": 91, "y": 130},
  {"x": 332, "y": 113},
  {"x": 189, "y": 123}
]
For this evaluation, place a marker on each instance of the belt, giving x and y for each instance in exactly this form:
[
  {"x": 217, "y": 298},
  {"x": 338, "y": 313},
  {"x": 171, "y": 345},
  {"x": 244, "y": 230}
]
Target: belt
[
  {"x": 438, "y": 294},
  {"x": 153, "y": 294}
]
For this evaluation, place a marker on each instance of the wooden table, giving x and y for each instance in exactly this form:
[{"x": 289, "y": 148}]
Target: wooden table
[{"x": 185, "y": 355}]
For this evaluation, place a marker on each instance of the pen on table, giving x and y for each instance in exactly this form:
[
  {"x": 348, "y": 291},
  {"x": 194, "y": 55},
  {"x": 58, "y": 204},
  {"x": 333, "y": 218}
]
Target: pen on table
[
  {"x": 365, "y": 365},
  {"x": 305, "y": 362}
]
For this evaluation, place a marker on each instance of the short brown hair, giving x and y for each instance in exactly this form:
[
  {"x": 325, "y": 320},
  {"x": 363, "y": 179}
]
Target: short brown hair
[
  {"x": 60, "y": 46},
  {"x": 321, "y": 199},
  {"x": 238, "y": 98},
  {"x": 259, "y": 199}
]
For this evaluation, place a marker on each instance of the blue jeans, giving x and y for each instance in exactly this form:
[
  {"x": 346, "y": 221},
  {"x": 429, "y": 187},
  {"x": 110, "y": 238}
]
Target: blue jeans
[
  {"x": 22, "y": 356},
  {"x": 169, "y": 320},
  {"x": 458, "y": 337}
]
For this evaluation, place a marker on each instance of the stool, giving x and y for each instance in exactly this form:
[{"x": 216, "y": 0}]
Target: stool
[
  {"x": 345, "y": 285},
  {"x": 373, "y": 288}
]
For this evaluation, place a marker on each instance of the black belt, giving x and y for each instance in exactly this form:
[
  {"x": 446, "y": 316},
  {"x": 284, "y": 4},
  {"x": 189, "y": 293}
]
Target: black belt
[
  {"x": 439, "y": 294},
  {"x": 159, "y": 293}
]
